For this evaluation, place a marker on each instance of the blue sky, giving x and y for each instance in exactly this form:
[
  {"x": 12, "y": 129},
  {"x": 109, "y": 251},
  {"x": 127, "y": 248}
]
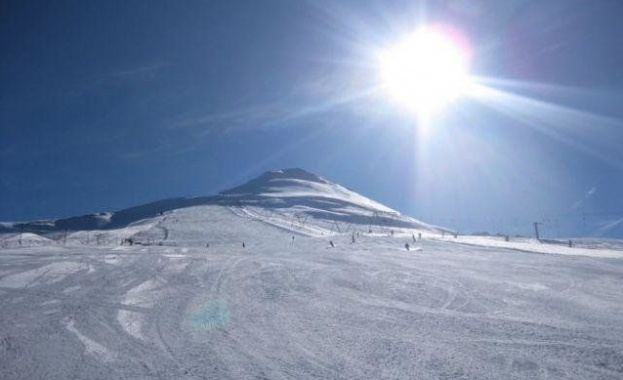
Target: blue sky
[{"x": 110, "y": 104}]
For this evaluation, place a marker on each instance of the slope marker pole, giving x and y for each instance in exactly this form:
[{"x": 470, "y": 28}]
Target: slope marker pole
[{"x": 536, "y": 230}]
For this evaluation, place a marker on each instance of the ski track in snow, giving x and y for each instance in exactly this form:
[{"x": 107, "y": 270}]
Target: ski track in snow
[{"x": 284, "y": 308}]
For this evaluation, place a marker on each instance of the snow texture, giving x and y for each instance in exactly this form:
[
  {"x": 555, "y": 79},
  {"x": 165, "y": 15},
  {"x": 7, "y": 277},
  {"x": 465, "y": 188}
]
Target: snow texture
[
  {"x": 187, "y": 301},
  {"x": 284, "y": 189}
]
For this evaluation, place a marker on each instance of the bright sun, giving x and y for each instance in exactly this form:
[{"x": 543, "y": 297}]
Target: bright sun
[{"x": 425, "y": 71}]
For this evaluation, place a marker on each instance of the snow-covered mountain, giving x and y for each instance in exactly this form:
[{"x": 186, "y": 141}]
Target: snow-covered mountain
[
  {"x": 289, "y": 196},
  {"x": 291, "y": 276},
  {"x": 297, "y": 187}
]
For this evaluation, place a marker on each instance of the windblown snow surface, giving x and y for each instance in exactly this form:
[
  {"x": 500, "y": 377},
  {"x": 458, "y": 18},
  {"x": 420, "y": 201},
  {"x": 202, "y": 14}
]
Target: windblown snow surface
[
  {"x": 288, "y": 306},
  {"x": 188, "y": 301}
]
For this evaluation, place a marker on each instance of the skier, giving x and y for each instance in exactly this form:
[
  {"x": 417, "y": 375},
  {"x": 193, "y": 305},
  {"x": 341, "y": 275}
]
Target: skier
[
  {"x": 407, "y": 246},
  {"x": 331, "y": 243},
  {"x": 244, "y": 245}
]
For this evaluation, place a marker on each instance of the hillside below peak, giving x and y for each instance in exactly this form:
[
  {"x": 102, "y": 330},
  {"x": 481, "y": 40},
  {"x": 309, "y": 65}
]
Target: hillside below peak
[{"x": 294, "y": 189}]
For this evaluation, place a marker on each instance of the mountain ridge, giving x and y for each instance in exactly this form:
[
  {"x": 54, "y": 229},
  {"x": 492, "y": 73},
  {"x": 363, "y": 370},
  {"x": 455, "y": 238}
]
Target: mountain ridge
[{"x": 293, "y": 188}]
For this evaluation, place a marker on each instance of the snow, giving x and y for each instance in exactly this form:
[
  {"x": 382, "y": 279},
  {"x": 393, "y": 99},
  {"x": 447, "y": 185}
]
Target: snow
[
  {"x": 46, "y": 274},
  {"x": 304, "y": 188},
  {"x": 13, "y": 240},
  {"x": 91, "y": 347},
  {"x": 608, "y": 249},
  {"x": 273, "y": 191},
  {"x": 290, "y": 306},
  {"x": 296, "y": 187},
  {"x": 291, "y": 276}
]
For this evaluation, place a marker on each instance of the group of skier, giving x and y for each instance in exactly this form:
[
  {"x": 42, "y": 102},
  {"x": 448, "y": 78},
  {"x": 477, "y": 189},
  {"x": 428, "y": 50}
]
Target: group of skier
[{"x": 332, "y": 244}]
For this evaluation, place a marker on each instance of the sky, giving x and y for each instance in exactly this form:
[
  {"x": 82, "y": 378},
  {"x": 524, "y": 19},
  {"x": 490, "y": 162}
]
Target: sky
[{"x": 110, "y": 104}]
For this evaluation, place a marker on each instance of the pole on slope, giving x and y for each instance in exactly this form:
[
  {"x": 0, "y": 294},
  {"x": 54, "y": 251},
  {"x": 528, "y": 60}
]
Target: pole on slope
[{"x": 536, "y": 230}]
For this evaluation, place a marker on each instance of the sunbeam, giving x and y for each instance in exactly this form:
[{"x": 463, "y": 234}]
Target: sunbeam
[{"x": 592, "y": 134}]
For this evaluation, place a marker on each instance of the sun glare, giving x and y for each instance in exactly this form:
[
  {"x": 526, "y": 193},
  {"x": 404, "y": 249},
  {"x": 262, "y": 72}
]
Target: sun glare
[{"x": 425, "y": 71}]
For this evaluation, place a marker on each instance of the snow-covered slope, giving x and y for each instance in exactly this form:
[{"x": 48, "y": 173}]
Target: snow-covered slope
[
  {"x": 293, "y": 277},
  {"x": 291, "y": 193},
  {"x": 296, "y": 186},
  {"x": 290, "y": 306}
]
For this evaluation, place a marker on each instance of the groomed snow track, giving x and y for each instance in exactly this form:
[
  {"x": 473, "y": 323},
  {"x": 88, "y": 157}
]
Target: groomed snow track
[{"x": 303, "y": 310}]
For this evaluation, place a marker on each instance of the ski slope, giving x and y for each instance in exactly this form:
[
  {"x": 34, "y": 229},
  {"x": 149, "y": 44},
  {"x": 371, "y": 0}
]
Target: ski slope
[
  {"x": 290, "y": 193},
  {"x": 187, "y": 301}
]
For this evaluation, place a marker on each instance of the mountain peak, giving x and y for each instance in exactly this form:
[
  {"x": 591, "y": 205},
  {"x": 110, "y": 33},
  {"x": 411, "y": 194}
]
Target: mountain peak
[
  {"x": 290, "y": 187},
  {"x": 291, "y": 190},
  {"x": 278, "y": 180},
  {"x": 295, "y": 173}
]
